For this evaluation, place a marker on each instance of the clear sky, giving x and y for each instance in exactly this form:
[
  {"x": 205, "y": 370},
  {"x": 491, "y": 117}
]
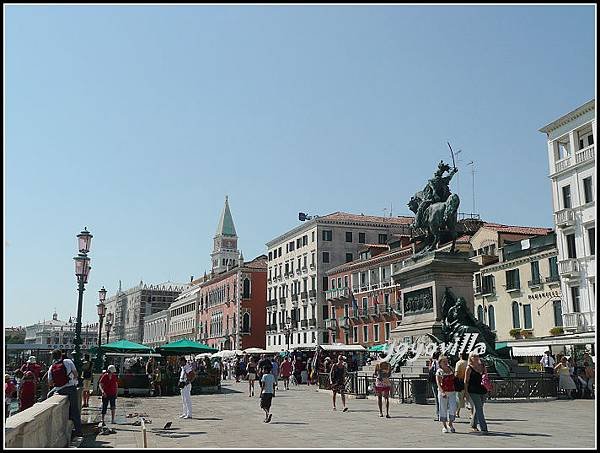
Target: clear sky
[{"x": 137, "y": 121}]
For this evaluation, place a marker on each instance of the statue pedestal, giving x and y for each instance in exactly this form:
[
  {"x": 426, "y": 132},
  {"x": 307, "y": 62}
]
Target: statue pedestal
[{"x": 423, "y": 281}]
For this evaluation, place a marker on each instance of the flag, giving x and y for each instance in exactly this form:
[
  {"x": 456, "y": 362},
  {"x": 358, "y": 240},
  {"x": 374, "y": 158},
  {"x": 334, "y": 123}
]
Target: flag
[{"x": 354, "y": 303}]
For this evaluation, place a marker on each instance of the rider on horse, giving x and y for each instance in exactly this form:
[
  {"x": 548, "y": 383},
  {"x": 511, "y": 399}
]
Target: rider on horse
[{"x": 437, "y": 190}]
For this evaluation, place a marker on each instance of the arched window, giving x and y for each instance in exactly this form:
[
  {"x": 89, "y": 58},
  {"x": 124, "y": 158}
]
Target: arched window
[
  {"x": 480, "y": 313},
  {"x": 491, "y": 317},
  {"x": 515, "y": 315},
  {"x": 246, "y": 322},
  {"x": 556, "y": 305},
  {"x": 246, "y": 294}
]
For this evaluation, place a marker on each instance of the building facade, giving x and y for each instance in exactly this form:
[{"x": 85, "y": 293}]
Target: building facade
[
  {"x": 232, "y": 306},
  {"x": 183, "y": 313},
  {"x": 61, "y": 334},
  {"x": 130, "y": 308},
  {"x": 571, "y": 155},
  {"x": 298, "y": 262},
  {"x": 364, "y": 302},
  {"x": 156, "y": 329},
  {"x": 520, "y": 295}
]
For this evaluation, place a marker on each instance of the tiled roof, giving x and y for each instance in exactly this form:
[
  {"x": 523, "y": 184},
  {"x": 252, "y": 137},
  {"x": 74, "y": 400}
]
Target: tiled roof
[
  {"x": 513, "y": 229},
  {"x": 346, "y": 217},
  {"x": 260, "y": 262},
  {"x": 382, "y": 257}
]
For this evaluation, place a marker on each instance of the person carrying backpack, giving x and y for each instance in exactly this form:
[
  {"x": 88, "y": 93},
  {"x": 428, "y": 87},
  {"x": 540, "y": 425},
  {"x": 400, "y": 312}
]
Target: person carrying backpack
[
  {"x": 433, "y": 367},
  {"x": 62, "y": 376}
]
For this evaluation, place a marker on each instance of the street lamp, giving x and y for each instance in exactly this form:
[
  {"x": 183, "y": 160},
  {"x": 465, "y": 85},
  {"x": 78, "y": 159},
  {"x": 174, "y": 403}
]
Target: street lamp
[
  {"x": 288, "y": 331},
  {"x": 101, "y": 313},
  {"x": 82, "y": 271},
  {"x": 109, "y": 322}
]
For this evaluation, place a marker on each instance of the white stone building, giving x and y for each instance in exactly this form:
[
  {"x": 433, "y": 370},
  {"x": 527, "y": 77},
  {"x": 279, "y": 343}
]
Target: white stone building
[
  {"x": 297, "y": 272},
  {"x": 61, "y": 334},
  {"x": 183, "y": 315},
  {"x": 156, "y": 329},
  {"x": 571, "y": 153}
]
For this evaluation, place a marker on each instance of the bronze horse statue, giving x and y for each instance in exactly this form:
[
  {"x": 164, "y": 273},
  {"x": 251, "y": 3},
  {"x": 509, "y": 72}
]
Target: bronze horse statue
[{"x": 438, "y": 218}]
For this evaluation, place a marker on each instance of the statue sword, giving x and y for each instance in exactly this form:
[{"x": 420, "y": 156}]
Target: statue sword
[{"x": 452, "y": 154}]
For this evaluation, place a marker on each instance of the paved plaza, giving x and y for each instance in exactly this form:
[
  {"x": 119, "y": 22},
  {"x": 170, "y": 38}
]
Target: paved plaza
[{"x": 302, "y": 417}]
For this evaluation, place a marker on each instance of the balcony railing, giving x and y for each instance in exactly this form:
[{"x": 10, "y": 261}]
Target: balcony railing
[
  {"x": 581, "y": 322},
  {"x": 488, "y": 290},
  {"x": 312, "y": 293},
  {"x": 294, "y": 297},
  {"x": 553, "y": 278},
  {"x": 513, "y": 286},
  {"x": 304, "y": 295},
  {"x": 312, "y": 322},
  {"x": 344, "y": 322},
  {"x": 337, "y": 294},
  {"x": 536, "y": 282},
  {"x": 565, "y": 218},
  {"x": 331, "y": 324},
  {"x": 584, "y": 155},
  {"x": 304, "y": 323},
  {"x": 569, "y": 267}
]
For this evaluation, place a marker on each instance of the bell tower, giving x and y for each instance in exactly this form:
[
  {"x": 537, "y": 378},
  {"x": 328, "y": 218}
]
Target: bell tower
[{"x": 225, "y": 253}]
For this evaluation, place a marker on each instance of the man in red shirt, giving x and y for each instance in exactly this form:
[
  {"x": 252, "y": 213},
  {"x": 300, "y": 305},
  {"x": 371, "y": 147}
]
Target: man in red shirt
[
  {"x": 109, "y": 388},
  {"x": 33, "y": 366},
  {"x": 285, "y": 372}
]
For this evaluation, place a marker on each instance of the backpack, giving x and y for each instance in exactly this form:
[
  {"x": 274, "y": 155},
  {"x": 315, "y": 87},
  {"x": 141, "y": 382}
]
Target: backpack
[
  {"x": 486, "y": 383},
  {"x": 60, "y": 376},
  {"x": 191, "y": 376},
  {"x": 431, "y": 373}
]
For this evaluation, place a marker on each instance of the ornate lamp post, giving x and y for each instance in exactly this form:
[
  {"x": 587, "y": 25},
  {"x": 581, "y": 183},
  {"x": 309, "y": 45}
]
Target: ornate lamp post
[
  {"x": 288, "y": 331},
  {"x": 109, "y": 322},
  {"x": 101, "y": 313},
  {"x": 82, "y": 271}
]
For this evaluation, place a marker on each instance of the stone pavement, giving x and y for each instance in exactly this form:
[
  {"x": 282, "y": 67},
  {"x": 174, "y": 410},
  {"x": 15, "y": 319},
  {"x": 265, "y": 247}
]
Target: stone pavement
[{"x": 302, "y": 417}]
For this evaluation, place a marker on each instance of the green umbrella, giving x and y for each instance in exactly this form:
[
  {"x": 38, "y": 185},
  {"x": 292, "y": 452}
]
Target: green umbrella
[
  {"x": 378, "y": 348},
  {"x": 125, "y": 346},
  {"x": 184, "y": 346}
]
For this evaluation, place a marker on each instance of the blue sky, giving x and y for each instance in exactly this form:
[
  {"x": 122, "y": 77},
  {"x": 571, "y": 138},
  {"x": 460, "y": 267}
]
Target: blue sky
[{"x": 137, "y": 121}]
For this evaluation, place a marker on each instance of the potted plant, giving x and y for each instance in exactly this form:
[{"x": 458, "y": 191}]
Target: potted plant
[
  {"x": 556, "y": 331},
  {"x": 526, "y": 333},
  {"x": 515, "y": 333}
]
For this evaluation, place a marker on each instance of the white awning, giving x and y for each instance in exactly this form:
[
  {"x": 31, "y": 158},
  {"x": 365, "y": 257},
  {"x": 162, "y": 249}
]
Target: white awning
[
  {"x": 343, "y": 347},
  {"x": 529, "y": 351}
]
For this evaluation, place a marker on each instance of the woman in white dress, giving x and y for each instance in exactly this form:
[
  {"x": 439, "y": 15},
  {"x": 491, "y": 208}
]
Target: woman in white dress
[{"x": 565, "y": 382}]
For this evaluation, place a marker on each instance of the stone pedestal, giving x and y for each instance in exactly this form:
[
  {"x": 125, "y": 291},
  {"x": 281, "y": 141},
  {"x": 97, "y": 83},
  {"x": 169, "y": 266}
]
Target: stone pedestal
[{"x": 423, "y": 281}]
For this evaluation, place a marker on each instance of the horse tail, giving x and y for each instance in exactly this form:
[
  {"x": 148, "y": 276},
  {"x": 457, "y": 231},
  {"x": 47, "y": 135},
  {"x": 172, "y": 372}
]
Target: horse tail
[{"x": 451, "y": 207}]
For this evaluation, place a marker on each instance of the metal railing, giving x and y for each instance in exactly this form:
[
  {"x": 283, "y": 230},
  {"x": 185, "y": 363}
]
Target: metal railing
[
  {"x": 568, "y": 267},
  {"x": 540, "y": 386},
  {"x": 535, "y": 282},
  {"x": 565, "y": 217}
]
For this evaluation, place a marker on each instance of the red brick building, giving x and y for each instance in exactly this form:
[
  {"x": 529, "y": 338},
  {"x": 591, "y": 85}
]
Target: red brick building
[
  {"x": 232, "y": 307},
  {"x": 363, "y": 300}
]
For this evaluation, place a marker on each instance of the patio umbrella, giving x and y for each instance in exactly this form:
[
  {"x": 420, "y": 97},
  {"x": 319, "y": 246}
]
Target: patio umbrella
[
  {"x": 257, "y": 351},
  {"x": 227, "y": 354},
  {"x": 378, "y": 348},
  {"x": 182, "y": 347},
  {"x": 124, "y": 346},
  {"x": 204, "y": 354}
]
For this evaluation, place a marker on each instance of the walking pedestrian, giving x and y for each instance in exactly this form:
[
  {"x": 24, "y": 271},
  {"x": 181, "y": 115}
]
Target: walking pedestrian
[
  {"x": 185, "y": 384},
  {"x": 63, "y": 377},
  {"x": 251, "y": 369},
  {"x": 27, "y": 391},
  {"x": 547, "y": 362},
  {"x": 446, "y": 394},
  {"x": 433, "y": 367},
  {"x": 86, "y": 371},
  {"x": 337, "y": 379},
  {"x": 565, "y": 382},
  {"x": 109, "y": 388},
  {"x": 475, "y": 391},
  {"x": 275, "y": 373},
  {"x": 590, "y": 374},
  {"x": 10, "y": 392},
  {"x": 286, "y": 372},
  {"x": 157, "y": 380},
  {"x": 267, "y": 383},
  {"x": 383, "y": 385},
  {"x": 459, "y": 371}
]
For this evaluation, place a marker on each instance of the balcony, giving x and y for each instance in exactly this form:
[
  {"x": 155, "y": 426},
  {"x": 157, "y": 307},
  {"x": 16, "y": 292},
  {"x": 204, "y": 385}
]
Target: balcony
[
  {"x": 580, "y": 322},
  {"x": 535, "y": 283},
  {"x": 344, "y": 322},
  {"x": 337, "y": 294},
  {"x": 282, "y": 301},
  {"x": 304, "y": 323},
  {"x": 513, "y": 286},
  {"x": 374, "y": 311},
  {"x": 565, "y": 218},
  {"x": 304, "y": 295},
  {"x": 294, "y": 297},
  {"x": 312, "y": 322},
  {"x": 331, "y": 324},
  {"x": 553, "y": 279},
  {"x": 312, "y": 293},
  {"x": 569, "y": 268},
  {"x": 584, "y": 155}
]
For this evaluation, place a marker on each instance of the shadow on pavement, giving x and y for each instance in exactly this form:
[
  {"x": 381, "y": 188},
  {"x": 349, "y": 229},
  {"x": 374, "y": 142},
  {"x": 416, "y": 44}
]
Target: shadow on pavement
[{"x": 289, "y": 423}]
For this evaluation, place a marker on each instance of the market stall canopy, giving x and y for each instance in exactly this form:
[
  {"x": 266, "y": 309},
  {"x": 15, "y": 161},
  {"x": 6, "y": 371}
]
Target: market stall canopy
[
  {"x": 379, "y": 348},
  {"x": 184, "y": 346},
  {"x": 228, "y": 354},
  {"x": 124, "y": 346},
  {"x": 529, "y": 351},
  {"x": 258, "y": 351},
  {"x": 343, "y": 347}
]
